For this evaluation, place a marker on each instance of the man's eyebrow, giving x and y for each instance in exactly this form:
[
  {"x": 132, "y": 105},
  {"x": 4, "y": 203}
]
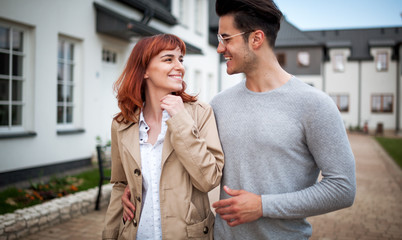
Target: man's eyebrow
[{"x": 225, "y": 35}]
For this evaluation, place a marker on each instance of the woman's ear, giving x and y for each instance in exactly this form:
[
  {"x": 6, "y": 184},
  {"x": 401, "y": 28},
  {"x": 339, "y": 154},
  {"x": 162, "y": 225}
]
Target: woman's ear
[{"x": 257, "y": 39}]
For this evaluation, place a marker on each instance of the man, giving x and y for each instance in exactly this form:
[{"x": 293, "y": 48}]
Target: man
[{"x": 277, "y": 134}]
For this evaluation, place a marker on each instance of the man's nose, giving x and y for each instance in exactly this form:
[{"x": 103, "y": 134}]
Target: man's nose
[{"x": 221, "y": 48}]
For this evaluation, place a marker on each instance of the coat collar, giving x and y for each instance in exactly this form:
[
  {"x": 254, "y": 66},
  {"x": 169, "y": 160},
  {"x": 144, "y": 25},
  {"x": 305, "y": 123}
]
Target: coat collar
[{"x": 130, "y": 138}]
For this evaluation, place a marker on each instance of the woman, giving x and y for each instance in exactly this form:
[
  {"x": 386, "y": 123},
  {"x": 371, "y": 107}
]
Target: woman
[{"x": 165, "y": 147}]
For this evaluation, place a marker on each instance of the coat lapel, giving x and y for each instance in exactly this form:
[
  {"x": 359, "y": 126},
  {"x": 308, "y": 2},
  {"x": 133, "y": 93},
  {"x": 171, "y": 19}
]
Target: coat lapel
[
  {"x": 167, "y": 148},
  {"x": 130, "y": 138}
]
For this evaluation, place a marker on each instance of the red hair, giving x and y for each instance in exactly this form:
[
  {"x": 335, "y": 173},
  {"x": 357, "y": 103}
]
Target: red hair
[{"x": 130, "y": 86}]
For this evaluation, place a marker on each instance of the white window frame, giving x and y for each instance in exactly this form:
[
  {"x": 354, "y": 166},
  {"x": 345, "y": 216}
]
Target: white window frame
[
  {"x": 184, "y": 16},
  {"x": 199, "y": 18},
  {"x": 109, "y": 56},
  {"x": 303, "y": 59},
  {"x": 338, "y": 62},
  {"x": 338, "y": 99},
  {"x": 75, "y": 104},
  {"x": 26, "y": 79},
  {"x": 381, "y": 61},
  {"x": 378, "y": 106}
]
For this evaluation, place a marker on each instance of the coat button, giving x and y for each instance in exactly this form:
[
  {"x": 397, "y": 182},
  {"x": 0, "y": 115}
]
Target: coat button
[
  {"x": 135, "y": 223},
  {"x": 205, "y": 230},
  {"x": 138, "y": 199},
  {"x": 137, "y": 172}
]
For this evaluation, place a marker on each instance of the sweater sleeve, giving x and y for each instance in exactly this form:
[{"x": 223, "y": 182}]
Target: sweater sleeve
[
  {"x": 327, "y": 141},
  {"x": 197, "y": 146}
]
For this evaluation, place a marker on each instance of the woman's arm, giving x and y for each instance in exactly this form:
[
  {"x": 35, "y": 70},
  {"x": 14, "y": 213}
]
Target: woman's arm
[
  {"x": 118, "y": 178},
  {"x": 197, "y": 145}
]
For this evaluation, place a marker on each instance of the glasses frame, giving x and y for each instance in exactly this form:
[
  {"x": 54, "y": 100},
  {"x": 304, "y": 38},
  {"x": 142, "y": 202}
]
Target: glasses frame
[{"x": 222, "y": 39}]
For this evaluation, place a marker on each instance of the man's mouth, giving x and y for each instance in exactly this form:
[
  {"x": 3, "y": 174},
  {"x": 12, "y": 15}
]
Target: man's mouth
[{"x": 228, "y": 58}]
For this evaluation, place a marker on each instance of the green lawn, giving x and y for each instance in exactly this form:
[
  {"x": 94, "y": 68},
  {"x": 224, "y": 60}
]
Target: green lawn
[
  {"x": 12, "y": 198},
  {"x": 393, "y": 146}
]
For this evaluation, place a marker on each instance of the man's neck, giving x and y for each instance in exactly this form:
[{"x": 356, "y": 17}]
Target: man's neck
[{"x": 267, "y": 75}]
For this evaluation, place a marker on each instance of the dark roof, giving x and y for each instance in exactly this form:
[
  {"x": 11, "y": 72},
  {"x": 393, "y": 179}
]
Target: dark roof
[
  {"x": 359, "y": 40},
  {"x": 116, "y": 25},
  {"x": 290, "y": 36}
]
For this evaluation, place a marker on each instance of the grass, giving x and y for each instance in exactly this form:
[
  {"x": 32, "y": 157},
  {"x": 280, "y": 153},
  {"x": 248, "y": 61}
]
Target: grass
[
  {"x": 393, "y": 146},
  {"x": 13, "y": 198}
]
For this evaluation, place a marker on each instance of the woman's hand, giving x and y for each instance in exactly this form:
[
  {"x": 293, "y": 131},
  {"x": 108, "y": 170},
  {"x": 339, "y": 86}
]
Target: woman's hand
[
  {"x": 172, "y": 104},
  {"x": 128, "y": 207}
]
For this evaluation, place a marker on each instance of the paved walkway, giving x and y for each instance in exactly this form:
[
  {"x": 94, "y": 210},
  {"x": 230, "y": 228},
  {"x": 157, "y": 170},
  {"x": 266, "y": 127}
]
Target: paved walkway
[{"x": 376, "y": 213}]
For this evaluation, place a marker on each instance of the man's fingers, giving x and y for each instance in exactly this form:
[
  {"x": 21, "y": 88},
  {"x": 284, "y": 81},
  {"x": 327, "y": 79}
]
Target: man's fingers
[
  {"x": 222, "y": 203},
  {"x": 231, "y": 192},
  {"x": 234, "y": 222}
]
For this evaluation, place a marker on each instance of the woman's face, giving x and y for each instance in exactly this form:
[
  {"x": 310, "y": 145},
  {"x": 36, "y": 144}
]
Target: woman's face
[{"x": 165, "y": 72}]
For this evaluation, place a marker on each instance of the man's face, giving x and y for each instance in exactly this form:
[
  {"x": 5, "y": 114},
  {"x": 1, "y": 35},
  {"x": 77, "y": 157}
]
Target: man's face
[{"x": 234, "y": 49}]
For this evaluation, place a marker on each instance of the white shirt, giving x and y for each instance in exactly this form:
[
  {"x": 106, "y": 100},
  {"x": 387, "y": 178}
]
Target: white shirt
[{"x": 151, "y": 158}]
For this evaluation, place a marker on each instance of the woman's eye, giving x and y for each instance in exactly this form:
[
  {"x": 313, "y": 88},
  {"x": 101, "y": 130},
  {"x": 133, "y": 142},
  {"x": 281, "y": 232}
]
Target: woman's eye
[{"x": 181, "y": 60}]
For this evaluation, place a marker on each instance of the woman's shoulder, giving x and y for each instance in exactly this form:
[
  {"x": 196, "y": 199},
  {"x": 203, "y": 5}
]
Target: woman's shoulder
[{"x": 198, "y": 105}]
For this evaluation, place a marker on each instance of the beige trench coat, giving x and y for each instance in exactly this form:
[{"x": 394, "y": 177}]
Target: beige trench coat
[{"x": 192, "y": 162}]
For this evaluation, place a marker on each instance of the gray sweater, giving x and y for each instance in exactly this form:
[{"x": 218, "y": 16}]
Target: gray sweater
[{"x": 275, "y": 144}]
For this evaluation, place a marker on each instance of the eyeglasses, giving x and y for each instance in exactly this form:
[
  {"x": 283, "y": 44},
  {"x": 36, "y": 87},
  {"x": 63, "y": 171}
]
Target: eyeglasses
[{"x": 222, "y": 40}]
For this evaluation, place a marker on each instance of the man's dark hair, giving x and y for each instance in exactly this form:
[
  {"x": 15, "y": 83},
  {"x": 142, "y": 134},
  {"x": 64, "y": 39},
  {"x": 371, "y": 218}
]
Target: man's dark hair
[{"x": 251, "y": 15}]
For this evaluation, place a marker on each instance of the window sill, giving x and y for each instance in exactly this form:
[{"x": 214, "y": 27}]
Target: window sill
[
  {"x": 17, "y": 135},
  {"x": 70, "y": 131}
]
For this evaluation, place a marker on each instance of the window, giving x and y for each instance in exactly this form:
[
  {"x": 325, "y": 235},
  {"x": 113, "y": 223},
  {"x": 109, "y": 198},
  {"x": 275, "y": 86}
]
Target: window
[
  {"x": 338, "y": 64},
  {"x": 303, "y": 59},
  {"x": 341, "y": 101},
  {"x": 281, "y": 59},
  {"x": 199, "y": 16},
  {"x": 65, "y": 82},
  {"x": 183, "y": 12},
  {"x": 11, "y": 77},
  {"x": 381, "y": 61},
  {"x": 109, "y": 56},
  {"x": 382, "y": 103}
]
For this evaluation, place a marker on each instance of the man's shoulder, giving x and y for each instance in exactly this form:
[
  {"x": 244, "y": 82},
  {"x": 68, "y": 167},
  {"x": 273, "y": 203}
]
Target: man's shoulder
[{"x": 226, "y": 94}]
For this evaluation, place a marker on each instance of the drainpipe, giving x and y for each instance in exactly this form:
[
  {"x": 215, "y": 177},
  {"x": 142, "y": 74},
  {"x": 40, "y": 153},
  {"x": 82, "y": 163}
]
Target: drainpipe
[
  {"x": 359, "y": 101},
  {"x": 398, "y": 92}
]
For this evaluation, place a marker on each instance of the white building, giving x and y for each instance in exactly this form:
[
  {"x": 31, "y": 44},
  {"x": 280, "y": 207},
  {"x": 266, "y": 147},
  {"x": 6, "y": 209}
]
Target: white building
[
  {"x": 58, "y": 62},
  {"x": 359, "y": 68}
]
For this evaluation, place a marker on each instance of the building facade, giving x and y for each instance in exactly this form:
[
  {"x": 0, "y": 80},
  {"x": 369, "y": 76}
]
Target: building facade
[
  {"x": 58, "y": 63},
  {"x": 359, "y": 68}
]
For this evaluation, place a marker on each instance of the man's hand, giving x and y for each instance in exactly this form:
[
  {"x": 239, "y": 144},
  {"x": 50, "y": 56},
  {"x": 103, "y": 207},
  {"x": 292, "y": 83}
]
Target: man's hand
[
  {"x": 128, "y": 207},
  {"x": 241, "y": 208},
  {"x": 172, "y": 104}
]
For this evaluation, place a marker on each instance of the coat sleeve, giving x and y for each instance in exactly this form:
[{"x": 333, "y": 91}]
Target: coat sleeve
[
  {"x": 197, "y": 145},
  {"x": 114, "y": 212}
]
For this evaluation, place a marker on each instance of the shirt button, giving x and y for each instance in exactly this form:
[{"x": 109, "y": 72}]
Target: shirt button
[
  {"x": 135, "y": 223},
  {"x": 205, "y": 230},
  {"x": 137, "y": 172},
  {"x": 138, "y": 199}
]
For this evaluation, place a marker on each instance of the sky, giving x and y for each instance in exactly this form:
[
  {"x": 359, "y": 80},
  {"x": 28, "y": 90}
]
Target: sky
[{"x": 341, "y": 14}]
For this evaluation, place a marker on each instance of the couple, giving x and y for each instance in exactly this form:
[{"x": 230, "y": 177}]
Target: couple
[{"x": 277, "y": 134}]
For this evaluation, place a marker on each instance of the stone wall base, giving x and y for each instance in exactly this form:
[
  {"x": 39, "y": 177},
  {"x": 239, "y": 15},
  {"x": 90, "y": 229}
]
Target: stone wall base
[{"x": 33, "y": 219}]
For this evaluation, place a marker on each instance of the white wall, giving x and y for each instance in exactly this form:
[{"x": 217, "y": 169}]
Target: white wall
[
  {"x": 76, "y": 20},
  {"x": 344, "y": 82},
  {"x": 374, "y": 82}
]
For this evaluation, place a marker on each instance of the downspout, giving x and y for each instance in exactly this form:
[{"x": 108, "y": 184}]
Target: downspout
[
  {"x": 359, "y": 102},
  {"x": 398, "y": 92}
]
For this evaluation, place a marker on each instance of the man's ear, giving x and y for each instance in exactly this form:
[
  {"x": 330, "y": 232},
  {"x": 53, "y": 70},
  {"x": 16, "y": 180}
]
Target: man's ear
[{"x": 257, "y": 39}]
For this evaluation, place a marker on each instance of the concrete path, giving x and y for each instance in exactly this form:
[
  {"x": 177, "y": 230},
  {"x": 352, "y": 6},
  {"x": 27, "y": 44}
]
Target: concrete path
[{"x": 376, "y": 213}]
